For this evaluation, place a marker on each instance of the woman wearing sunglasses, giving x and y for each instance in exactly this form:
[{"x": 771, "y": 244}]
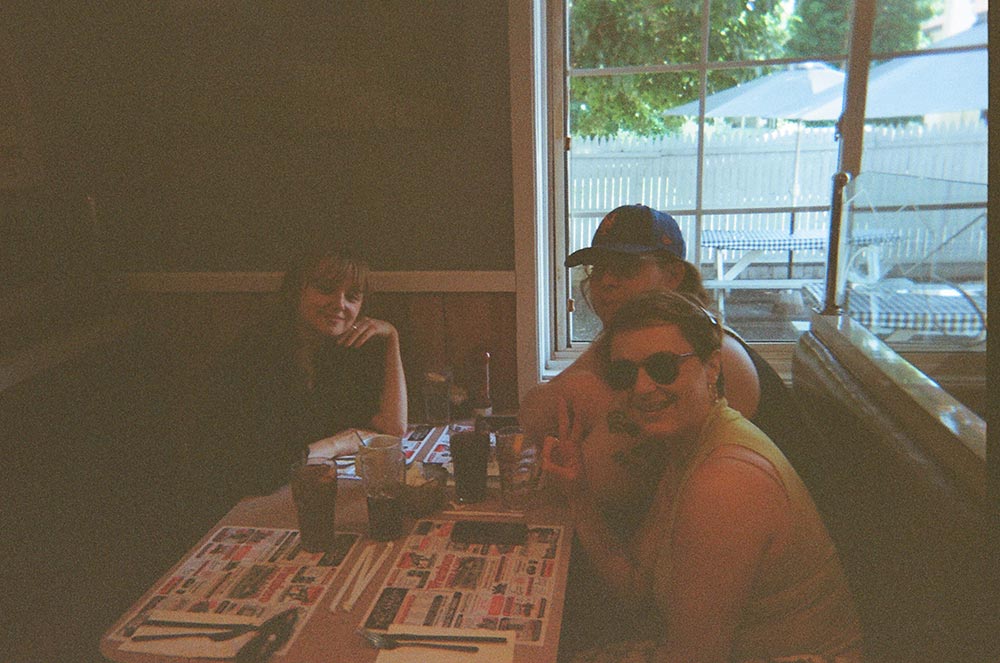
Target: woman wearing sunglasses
[
  {"x": 730, "y": 561},
  {"x": 637, "y": 249}
]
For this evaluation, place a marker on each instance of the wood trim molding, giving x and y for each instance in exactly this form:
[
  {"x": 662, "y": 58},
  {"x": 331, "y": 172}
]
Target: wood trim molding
[
  {"x": 525, "y": 135},
  {"x": 269, "y": 281}
]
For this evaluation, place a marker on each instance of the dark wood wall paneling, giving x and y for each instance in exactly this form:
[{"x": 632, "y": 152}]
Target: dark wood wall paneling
[
  {"x": 452, "y": 330},
  {"x": 217, "y": 136},
  {"x": 225, "y": 135}
]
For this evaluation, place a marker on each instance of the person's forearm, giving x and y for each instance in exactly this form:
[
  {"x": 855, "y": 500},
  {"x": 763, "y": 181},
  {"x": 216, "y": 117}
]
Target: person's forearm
[
  {"x": 391, "y": 416},
  {"x": 605, "y": 551}
]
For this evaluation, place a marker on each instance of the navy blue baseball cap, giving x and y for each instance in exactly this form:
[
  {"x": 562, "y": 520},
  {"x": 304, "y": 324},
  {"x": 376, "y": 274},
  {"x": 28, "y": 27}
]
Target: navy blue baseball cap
[{"x": 632, "y": 230}]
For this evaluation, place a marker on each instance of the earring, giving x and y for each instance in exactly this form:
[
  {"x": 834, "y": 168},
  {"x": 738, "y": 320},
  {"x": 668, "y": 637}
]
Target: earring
[{"x": 713, "y": 392}]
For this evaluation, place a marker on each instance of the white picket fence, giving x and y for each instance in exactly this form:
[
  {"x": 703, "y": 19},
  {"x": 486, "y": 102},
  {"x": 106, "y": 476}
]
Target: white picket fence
[{"x": 789, "y": 167}]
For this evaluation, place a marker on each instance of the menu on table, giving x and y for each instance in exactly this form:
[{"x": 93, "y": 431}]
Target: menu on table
[
  {"x": 414, "y": 439},
  {"x": 246, "y": 572},
  {"x": 437, "y": 582},
  {"x": 440, "y": 452}
]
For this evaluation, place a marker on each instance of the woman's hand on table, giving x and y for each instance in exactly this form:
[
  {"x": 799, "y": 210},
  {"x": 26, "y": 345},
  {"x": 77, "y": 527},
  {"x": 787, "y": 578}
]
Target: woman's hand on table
[
  {"x": 363, "y": 330},
  {"x": 344, "y": 443}
]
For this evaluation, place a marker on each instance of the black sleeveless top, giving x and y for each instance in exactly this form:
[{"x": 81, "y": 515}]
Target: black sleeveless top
[
  {"x": 778, "y": 413},
  {"x": 266, "y": 415}
]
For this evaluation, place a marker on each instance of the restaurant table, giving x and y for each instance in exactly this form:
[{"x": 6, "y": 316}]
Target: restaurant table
[{"x": 329, "y": 637}]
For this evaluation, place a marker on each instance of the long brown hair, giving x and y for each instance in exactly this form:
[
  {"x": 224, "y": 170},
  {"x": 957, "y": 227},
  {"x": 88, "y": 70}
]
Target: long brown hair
[{"x": 341, "y": 266}]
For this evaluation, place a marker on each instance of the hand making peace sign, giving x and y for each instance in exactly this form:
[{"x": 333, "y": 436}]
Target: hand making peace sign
[{"x": 562, "y": 456}]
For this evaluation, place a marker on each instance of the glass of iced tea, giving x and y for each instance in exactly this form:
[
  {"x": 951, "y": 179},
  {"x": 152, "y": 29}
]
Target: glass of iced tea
[
  {"x": 520, "y": 467},
  {"x": 381, "y": 465}
]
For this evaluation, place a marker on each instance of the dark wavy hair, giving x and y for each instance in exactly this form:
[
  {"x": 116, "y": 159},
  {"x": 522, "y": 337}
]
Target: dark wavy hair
[
  {"x": 650, "y": 309},
  {"x": 340, "y": 266}
]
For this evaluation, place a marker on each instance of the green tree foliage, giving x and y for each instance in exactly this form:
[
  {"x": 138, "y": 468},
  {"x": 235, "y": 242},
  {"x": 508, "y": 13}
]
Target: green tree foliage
[
  {"x": 630, "y": 33},
  {"x": 821, "y": 27},
  {"x": 622, "y": 33}
]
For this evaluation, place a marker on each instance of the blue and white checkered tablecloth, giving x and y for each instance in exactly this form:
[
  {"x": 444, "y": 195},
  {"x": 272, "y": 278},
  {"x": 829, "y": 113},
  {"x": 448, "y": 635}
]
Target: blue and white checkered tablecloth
[
  {"x": 942, "y": 310},
  {"x": 777, "y": 240}
]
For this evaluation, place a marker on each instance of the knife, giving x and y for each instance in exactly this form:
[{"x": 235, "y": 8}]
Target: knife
[
  {"x": 271, "y": 636},
  {"x": 219, "y": 625},
  {"x": 431, "y": 637}
]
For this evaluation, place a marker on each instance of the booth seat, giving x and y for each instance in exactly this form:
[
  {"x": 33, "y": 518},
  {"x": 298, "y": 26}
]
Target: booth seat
[{"x": 918, "y": 537}]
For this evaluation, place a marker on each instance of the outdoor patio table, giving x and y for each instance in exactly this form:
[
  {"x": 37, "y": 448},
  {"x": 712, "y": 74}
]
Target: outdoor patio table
[
  {"x": 756, "y": 244},
  {"x": 898, "y": 312}
]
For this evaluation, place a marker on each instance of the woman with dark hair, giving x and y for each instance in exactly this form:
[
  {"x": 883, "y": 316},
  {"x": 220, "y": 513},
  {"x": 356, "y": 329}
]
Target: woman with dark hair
[
  {"x": 635, "y": 250},
  {"x": 315, "y": 369},
  {"x": 730, "y": 561}
]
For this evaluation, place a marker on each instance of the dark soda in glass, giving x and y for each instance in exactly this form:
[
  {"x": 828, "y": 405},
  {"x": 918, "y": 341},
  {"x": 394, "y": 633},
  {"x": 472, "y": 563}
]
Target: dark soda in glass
[
  {"x": 385, "y": 517},
  {"x": 314, "y": 490},
  {"x": 470, "y": 454}
]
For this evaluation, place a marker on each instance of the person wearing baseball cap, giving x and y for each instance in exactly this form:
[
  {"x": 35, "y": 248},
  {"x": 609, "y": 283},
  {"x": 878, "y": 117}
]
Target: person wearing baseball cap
[{"x": 637, "y": 249}]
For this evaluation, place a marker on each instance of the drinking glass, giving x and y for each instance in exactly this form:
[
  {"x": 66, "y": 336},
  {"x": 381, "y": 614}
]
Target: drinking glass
[
  {"x": 520, "y": 467},
  {"x": 314, "y": 491},
  {"x": 437, "y": 396},
  {"x": 470, "y": 455},
  {"x": 381, "y": 465}
]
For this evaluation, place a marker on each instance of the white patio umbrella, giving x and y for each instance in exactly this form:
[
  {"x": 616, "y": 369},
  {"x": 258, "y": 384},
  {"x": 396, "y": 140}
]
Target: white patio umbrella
[
  {"x": 777, "y": 95},
  {"x": 919, "y": 85}
]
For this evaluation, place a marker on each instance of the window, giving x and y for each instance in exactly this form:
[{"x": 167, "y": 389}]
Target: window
[{"x": 726, "y": 115}]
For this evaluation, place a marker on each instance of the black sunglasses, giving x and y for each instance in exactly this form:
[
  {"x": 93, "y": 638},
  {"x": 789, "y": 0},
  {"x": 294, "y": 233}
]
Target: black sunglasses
[
  {"x": 622, "y": 266},
  {"x": 662, "y": 367}
]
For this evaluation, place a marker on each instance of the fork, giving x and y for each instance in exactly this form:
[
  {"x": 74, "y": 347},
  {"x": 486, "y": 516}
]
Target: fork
[{"x": 383, "y": 641}]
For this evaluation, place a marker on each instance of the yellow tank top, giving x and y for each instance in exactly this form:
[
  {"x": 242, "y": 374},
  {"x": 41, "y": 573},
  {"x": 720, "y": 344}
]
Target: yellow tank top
[{"x": 800, "y": 601}]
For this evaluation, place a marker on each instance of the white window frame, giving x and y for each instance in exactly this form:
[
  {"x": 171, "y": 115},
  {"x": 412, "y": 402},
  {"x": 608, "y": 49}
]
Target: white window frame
[
  {"x": 538, "y": 133},
  {"x": 537, "y": 46}
]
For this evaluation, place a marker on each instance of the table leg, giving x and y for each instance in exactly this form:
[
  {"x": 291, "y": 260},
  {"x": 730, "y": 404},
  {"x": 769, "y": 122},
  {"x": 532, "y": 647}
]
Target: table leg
[{"x": 720, "y": 293}]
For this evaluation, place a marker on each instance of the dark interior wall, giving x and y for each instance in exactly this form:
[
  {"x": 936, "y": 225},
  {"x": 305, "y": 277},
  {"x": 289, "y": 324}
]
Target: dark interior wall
[
  {"x": 223, "y": 135},
  {"x": 214, "y": 136}
]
